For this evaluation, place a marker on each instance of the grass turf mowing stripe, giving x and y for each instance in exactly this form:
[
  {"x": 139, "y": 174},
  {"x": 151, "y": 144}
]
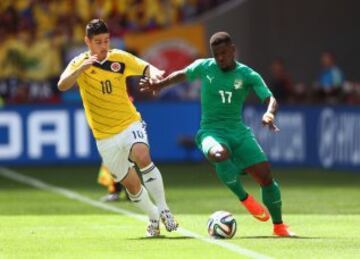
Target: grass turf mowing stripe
[{"x": 10, "y": 174}]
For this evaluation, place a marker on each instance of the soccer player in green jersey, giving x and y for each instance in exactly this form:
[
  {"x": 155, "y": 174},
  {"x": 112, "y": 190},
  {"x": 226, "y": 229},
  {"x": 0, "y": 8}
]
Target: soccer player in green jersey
[{"x": 225, "y": 140}]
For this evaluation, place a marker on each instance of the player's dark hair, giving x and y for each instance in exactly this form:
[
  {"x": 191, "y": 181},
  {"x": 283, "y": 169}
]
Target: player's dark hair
[
  {"x": 95, "y": 27},
  {"x": 220, "y": 37}
]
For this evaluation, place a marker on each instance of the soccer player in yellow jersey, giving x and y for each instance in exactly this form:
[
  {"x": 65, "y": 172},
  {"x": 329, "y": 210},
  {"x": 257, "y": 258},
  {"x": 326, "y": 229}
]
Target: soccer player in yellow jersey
[{"x": 117, "y": 127}]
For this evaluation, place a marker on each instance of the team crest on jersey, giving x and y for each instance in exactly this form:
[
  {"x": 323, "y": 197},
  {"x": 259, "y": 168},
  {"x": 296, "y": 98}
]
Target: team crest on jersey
[
  {"x": 115, "y": 67},
  {"x": 238, "y": 83}
]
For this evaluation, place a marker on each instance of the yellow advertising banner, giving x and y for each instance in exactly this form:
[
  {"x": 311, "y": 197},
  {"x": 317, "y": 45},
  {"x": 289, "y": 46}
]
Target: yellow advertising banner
[{"x": 169, "y": 49}]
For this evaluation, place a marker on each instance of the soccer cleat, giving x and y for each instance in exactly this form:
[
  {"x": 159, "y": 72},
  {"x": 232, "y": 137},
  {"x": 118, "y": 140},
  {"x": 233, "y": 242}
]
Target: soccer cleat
[
  {"x": 153, "y": 229},
  {"x": 282, "y": 231},
  {"x": 110, "y": 197},
  {"x": 168, "y": 220},
  {"x": 256, "y": 209}
]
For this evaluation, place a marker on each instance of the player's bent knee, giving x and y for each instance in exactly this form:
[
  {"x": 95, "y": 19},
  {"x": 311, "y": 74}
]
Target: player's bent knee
[
  {"x": 261, "y": 173},
  {"x": 142, "y": 160},
  {"x": 265, "y": 181},
  {"x": 218, "y": 154},
  {"x": 265, "y": 177},
  {"x": 141, "y": 155}
]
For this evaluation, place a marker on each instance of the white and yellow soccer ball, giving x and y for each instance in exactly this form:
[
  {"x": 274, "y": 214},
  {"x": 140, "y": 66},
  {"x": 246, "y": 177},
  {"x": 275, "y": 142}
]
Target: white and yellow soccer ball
[{"x": 222, "y": 224}]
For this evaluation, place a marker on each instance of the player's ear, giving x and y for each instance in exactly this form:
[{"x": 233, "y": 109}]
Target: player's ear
[{"x": 87, "y": 40}]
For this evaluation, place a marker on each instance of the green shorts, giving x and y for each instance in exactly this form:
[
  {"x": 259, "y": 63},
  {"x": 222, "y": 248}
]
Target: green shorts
[{"x": 244, "y": 149}]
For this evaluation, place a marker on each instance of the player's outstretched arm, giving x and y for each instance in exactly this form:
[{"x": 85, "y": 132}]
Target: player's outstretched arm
[
  {"x": 150, "y": 85},
  {"x": 268, "y": 118},
  {"x": 69, "y": 76}
]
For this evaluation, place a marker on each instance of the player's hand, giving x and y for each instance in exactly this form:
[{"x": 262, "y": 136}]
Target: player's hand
[
  {"x": 158, "y": 75},
  {"x": 88, "y": 62},
  {"x": 268, "y": 120},
  {"x": 147, "y": 84}
]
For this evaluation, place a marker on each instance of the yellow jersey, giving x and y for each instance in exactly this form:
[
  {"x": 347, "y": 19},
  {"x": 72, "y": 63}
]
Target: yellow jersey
[{"x": 108, "y": 108}]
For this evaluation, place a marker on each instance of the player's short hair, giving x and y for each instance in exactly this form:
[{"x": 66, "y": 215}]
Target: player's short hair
[
  {"x": 220, "y": 37},
  {"x": 95, "y": 27}
]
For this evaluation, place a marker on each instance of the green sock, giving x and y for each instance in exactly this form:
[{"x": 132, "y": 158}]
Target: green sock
[
  {"x": 271, "y": 197},
  {"x": 229, "y": 175}
]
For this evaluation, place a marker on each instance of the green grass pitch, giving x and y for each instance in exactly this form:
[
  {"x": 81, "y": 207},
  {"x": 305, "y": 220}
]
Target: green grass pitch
[{"x": 322, "y": 207}]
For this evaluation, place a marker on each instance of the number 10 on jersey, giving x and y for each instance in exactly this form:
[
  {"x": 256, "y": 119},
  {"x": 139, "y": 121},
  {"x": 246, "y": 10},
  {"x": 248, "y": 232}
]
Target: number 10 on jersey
[
  {"x": 225, "y": 96},
  {"x": 106, "y": 87}
]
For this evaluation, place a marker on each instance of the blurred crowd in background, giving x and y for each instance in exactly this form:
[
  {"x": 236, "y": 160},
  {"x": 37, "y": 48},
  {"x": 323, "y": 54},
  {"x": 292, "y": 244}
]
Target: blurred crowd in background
[
  {"x": 330, "y": 86},
  {"x": 36, "y": 36}
]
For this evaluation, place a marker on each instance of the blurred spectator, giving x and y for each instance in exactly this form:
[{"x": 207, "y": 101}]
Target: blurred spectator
[
  {"x": 125, "y": 15},
  {"x": 280, "y": 82},
  {"x": 351, "y": 93},
  {"x": 36, "y": 34},
  {"x": 3, "y": 52},
  {"x": 331, "y": 80},
  {"x": 9, "y": 19},
  {"x": 34, "y": 63},
  {"x": 19, "y": 94},
  {"x": 331, "y": 75}
]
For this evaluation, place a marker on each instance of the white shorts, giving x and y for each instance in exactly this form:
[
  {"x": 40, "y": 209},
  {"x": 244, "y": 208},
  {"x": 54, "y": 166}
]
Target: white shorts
[{"x": 115, "y": 150}]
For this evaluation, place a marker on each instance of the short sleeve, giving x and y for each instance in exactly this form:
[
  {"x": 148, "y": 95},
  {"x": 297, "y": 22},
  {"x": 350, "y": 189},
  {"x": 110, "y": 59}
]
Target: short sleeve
[
  {"x": 194, "y": 70},
  {"x": 75, "y": 63},
  {"x": 134, "y": 66},
  {"x": 258, "y": 85}
]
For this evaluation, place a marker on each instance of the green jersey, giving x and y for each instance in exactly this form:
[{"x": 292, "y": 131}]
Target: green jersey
[{"x": 224, "y": 93}]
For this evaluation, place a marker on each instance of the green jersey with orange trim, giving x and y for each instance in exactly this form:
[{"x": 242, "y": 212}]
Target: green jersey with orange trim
[{"x": 223, "y": 93}]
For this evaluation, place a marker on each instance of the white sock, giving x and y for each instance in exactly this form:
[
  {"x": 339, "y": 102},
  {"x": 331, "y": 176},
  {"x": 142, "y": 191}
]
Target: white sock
[
  {"x": 154, "y": 184},
  {"x": 143, "y": 202}
]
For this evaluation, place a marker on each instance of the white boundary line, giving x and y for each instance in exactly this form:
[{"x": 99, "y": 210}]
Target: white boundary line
[{"x": 10, "y": 174}]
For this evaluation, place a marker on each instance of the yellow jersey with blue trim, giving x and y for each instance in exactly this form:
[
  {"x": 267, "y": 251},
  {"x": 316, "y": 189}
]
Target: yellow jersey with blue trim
[{"x": 107, "y": 105}]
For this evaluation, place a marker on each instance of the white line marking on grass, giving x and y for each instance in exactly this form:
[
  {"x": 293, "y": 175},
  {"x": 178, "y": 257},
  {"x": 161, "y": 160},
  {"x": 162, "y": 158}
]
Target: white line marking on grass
[{"x": 10, "y": 174}]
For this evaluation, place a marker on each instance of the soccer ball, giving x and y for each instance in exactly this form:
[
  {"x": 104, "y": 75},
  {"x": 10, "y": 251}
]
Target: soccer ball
[{"x": 221, "y": 224}]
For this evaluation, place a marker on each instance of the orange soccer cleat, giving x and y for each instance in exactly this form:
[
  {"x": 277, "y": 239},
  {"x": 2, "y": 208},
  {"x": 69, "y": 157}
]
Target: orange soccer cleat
[
  {"x": 256, "y": 209},
  {"x": 283, "y": 231}
]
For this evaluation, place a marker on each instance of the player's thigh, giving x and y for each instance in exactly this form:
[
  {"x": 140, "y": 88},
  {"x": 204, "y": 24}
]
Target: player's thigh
[
  {"x": 116, "y": 160},
  {"x": 114, "y": 155},
  {"x": 206, "y": 140},
  {"x": 248, "y": 152},
  {"x": 137, "y": 144}
]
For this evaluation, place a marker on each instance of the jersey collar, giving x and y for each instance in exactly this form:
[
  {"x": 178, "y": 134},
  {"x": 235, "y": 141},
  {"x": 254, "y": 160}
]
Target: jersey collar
[{"x": 104, "y": 60}]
